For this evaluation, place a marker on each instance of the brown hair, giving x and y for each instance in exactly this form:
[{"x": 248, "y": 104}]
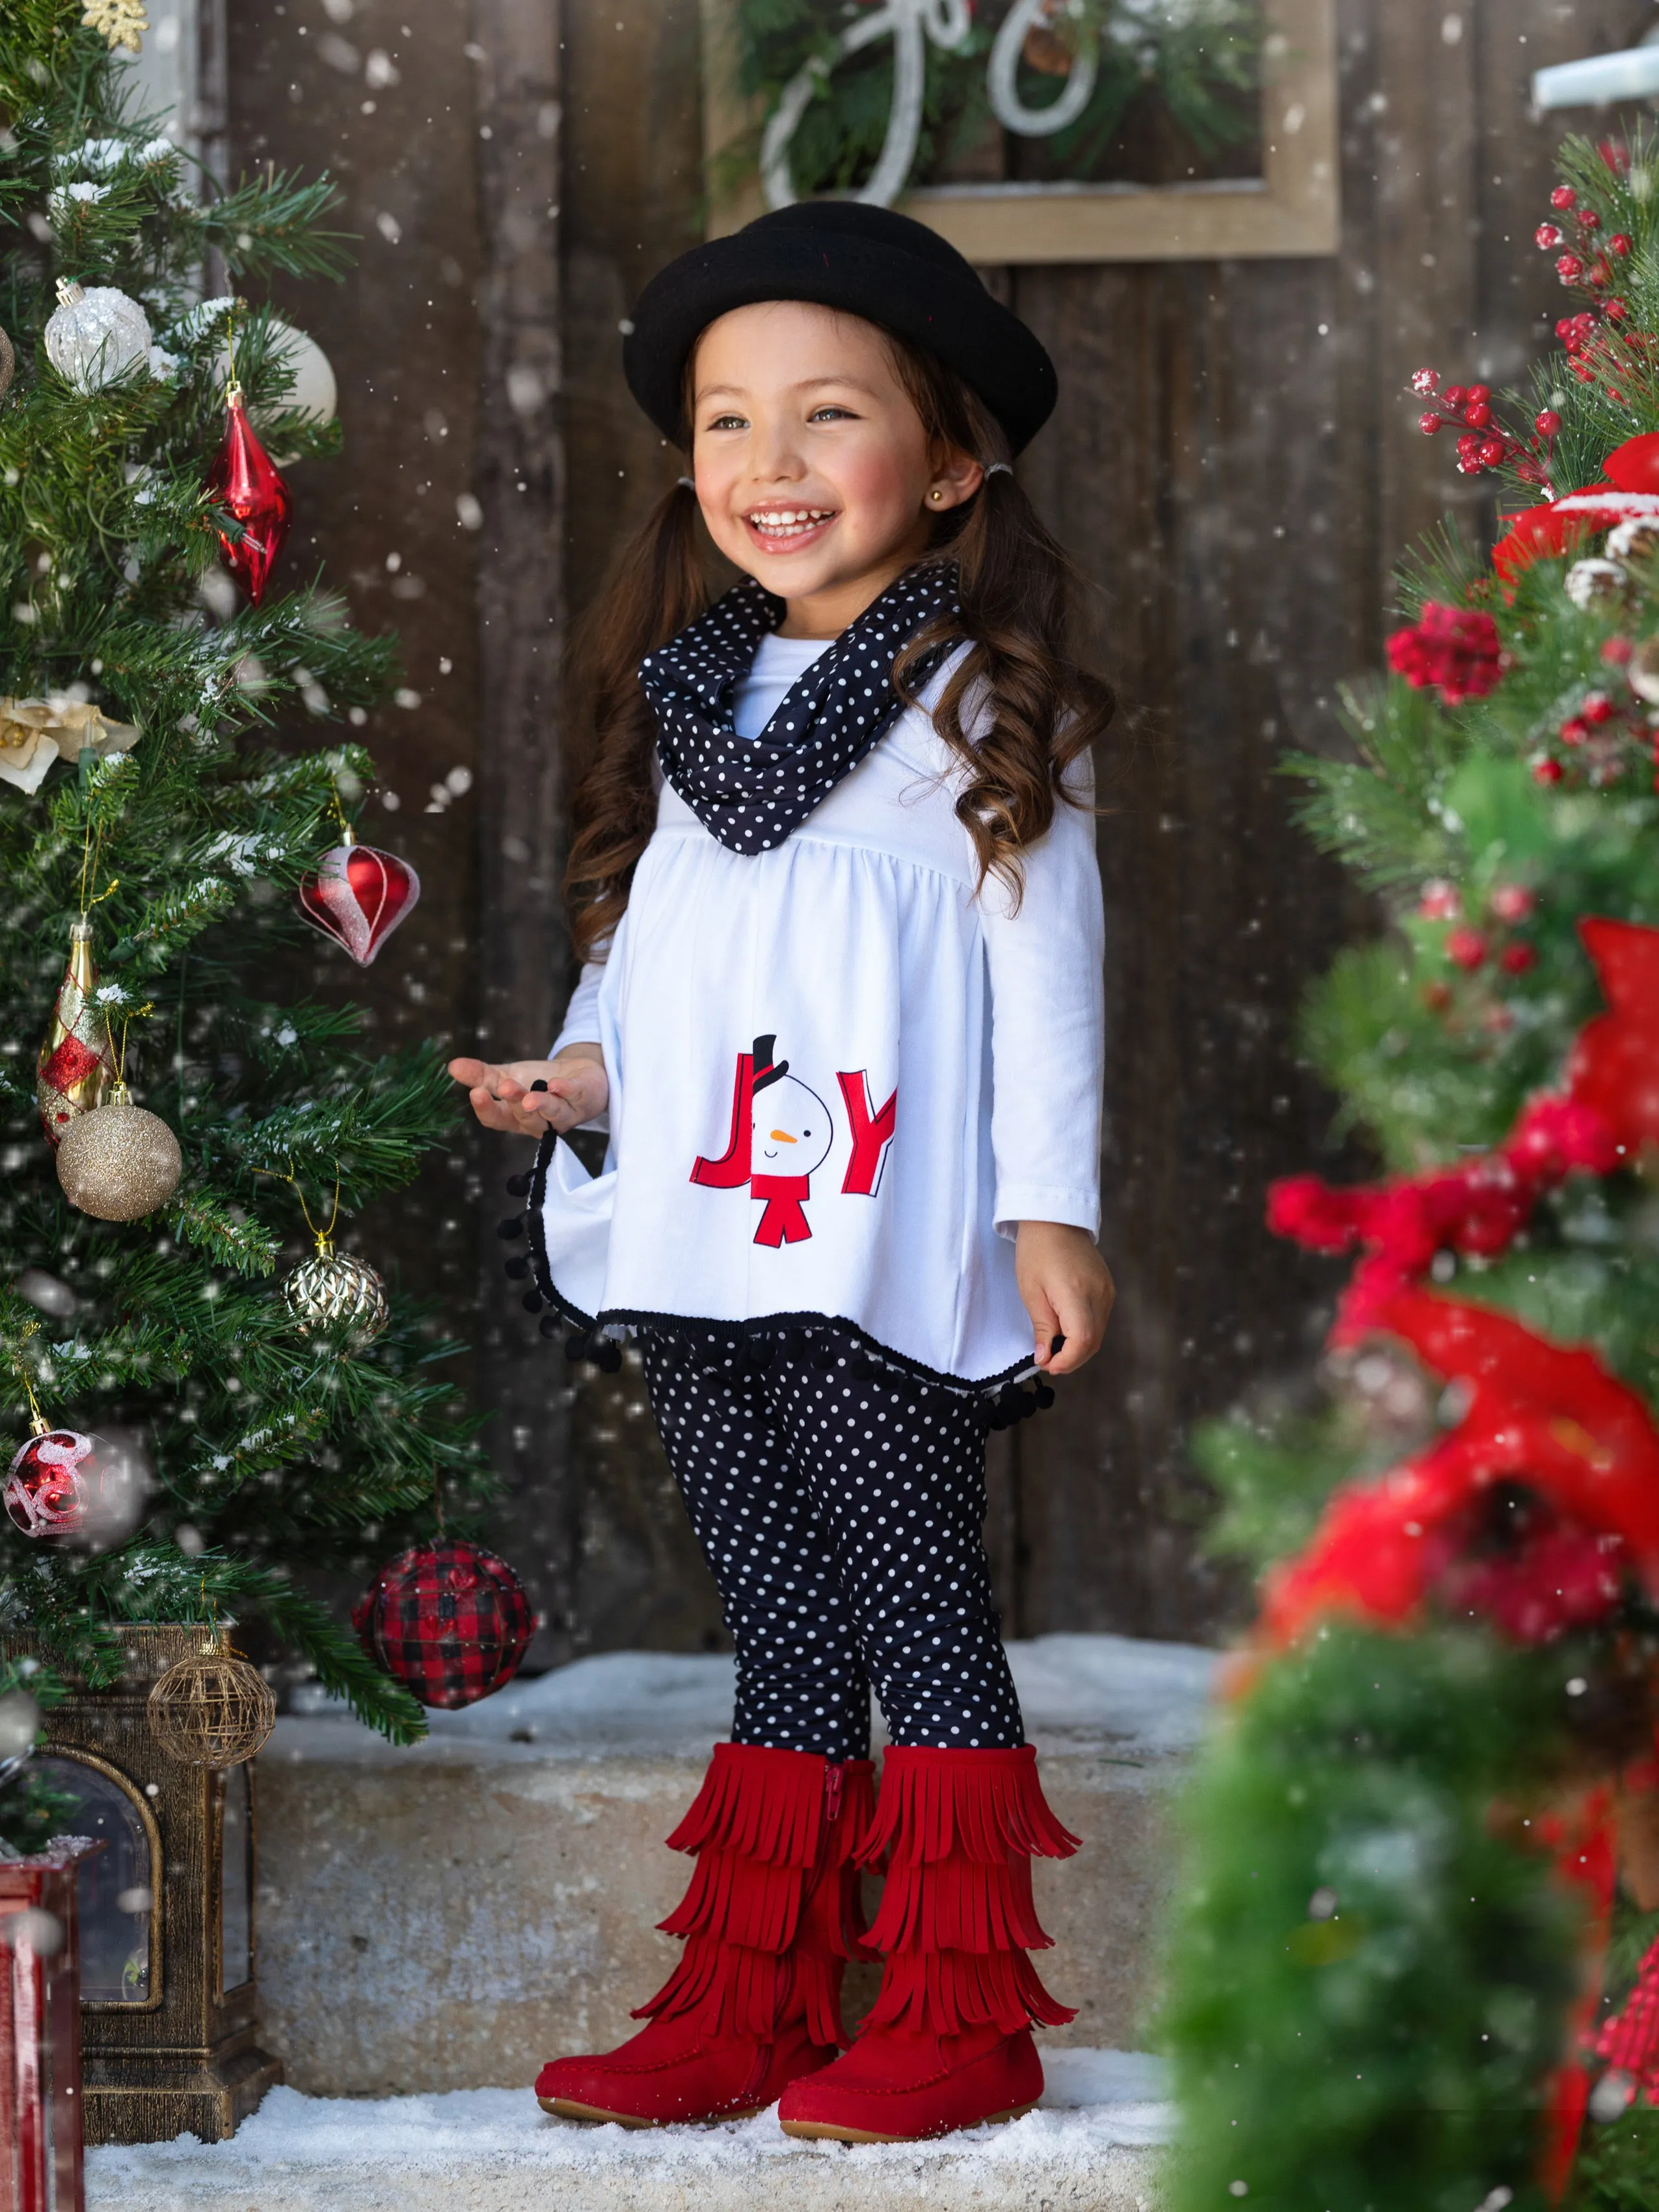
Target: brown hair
[{"x": 1032, "y": 710}]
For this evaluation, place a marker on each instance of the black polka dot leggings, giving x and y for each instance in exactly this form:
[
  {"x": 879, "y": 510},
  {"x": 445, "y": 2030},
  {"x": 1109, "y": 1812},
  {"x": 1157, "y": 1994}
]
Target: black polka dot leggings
[{"x": 843, "y": 1520}]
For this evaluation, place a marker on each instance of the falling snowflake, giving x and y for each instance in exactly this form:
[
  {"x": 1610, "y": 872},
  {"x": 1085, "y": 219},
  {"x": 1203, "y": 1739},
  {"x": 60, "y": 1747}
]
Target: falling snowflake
[{"x": 121, "y": 22}]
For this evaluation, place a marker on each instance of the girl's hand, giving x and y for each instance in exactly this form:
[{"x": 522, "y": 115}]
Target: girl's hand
[
  {"x": 577, "y": 1089},
  {"x": 1066, "y": 1288}
]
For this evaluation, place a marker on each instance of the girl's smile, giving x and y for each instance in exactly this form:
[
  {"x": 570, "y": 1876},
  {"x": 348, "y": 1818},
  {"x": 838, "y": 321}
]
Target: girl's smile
[{"x": 788, "y": 529}]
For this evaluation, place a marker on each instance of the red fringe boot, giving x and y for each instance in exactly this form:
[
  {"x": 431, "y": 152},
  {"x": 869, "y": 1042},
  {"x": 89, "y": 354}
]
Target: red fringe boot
[
  {"x": 769, "y": 1921},
  {"x": 948, "y": 2042}
]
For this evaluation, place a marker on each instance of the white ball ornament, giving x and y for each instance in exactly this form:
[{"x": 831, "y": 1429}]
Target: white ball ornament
[
  {"x": 1595, "y": 583},
  {"x": 313, "y": 393},
  {"x": 95, "y": 335}
]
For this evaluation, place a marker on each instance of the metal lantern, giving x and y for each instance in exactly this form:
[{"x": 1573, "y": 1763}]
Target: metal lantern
[
  {"x": 41, "y": 2139},
  {"x": 166, "y": 1910}
]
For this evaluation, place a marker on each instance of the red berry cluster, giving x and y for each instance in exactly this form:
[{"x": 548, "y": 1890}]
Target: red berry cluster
[
  {"x": 1597, "y": 347},
  {"x": 1588, "y": 263},
  {"x": 1487, "y": 938},
  {"x": 1484, "y": 444},
  {"x": 1609, "y": 736}
]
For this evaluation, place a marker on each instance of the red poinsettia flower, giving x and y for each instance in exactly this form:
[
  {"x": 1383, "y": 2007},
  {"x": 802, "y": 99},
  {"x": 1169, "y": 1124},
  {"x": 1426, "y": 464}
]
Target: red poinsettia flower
[
  {"x": 1614, "y": 1072},
  {"x": 1455, "y": 649}
]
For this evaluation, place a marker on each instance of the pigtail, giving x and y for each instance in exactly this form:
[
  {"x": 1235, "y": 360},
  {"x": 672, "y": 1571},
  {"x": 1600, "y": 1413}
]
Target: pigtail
[
  {"x": 657, "y": 587},
  {"x": 1019, "y": 708}
]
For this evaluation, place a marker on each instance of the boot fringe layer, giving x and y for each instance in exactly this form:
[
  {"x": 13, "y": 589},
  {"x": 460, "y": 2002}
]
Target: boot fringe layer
[
  {"x": 772, "y": 1912},
  {"x": 943, "y": 1992},
  {"x": 981, "y": 1805},
  {"x": 768, "y": 1805},
  {"x": 954, "y": 1905}
]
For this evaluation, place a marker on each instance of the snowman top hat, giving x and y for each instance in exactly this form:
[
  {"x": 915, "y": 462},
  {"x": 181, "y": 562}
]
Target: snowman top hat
[{"x": 765, "y": 1072}]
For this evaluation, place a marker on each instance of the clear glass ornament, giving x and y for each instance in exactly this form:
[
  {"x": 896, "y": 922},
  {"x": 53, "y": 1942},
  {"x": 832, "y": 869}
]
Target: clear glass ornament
[{"x": 96, "y": 335}]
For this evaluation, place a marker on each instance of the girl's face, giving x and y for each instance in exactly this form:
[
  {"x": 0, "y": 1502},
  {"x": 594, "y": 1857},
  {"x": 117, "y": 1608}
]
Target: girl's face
[{"x": 813, "y": 472}]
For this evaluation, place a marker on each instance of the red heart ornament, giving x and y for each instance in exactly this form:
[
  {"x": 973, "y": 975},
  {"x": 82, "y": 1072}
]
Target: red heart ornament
[{"x": 358, "y": 896}]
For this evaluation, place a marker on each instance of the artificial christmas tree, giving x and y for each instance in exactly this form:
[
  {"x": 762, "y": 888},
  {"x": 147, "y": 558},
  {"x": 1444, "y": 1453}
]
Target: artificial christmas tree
[
  {"x": 147, "y": 827},
  {"x": 1395, "y": 1983}
]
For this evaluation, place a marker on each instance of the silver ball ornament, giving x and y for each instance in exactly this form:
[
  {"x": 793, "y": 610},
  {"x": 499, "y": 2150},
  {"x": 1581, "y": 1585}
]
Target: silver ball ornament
[
  {"x": 336, "y": 1294},
  {"x": 118, "y": 1162},
  {"x": 96, "y": 335}
]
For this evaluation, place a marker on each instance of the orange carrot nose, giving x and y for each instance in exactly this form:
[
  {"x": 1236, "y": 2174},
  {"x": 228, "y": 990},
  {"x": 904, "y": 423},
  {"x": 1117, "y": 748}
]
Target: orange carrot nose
[{"x": 783, "y": 1136}]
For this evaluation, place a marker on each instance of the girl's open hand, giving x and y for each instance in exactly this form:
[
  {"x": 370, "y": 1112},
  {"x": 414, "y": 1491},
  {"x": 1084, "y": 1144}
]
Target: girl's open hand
[
  {"x": 1066, "y": 1288},
  {"x": 577, "y": 1089}
]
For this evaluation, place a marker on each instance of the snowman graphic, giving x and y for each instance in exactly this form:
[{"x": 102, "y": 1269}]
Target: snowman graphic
[
  {"x": 782, "y": 1130},
  {"x": 790, "y": 1131}
]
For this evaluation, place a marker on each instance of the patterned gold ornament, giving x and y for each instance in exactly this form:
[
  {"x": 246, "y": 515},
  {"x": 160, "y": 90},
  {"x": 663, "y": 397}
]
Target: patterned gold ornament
[
  {"x": 35, "y": 732},
  {"x": 76, "y": 1071},
  {"x": 122, "y": 21},
  {"x": 336, "y": 1294},
  {"x": 118, "y": 1162},
  {"x": 211, "y": 1708}
]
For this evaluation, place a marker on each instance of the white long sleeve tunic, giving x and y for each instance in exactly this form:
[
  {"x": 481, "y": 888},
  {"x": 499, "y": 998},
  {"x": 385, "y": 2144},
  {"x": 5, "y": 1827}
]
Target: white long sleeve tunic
[{"x": 944, "y": 1063}]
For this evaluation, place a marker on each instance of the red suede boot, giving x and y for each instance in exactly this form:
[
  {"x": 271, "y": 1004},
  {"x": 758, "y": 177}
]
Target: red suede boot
[
  {"x": 770, "y": 1920},
  {"x": 948, "y": 2042}
]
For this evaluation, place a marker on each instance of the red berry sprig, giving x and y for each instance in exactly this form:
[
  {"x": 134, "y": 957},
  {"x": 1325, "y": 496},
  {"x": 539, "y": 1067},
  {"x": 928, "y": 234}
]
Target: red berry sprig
[{"x": 1485, "y": 443}]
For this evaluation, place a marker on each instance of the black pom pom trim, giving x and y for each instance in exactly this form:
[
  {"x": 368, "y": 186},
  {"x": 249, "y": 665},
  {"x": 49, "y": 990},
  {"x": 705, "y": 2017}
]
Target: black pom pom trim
[
  {"x": 518, "y": 1185},
  {"x": 550, "y": 1324},
  {"x": 516, "y": 1268},
  {"x": 513, "y": 1226},
  {"x": 606, "y": 1356},
  {"x": 532, "y": 1302},
  {"x": 1044, "y": 1395},
  {"x": 575, "y": 1347}
]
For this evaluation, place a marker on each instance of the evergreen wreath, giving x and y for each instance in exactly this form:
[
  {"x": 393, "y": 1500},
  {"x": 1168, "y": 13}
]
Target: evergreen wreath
[
  {"x": 1199, "y": 58},
  {"x": 1414, "y": 1965}
]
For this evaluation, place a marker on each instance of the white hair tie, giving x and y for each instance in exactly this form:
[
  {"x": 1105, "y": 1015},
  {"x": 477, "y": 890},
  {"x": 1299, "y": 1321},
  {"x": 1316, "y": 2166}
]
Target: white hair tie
[
  {"x": 685, "y": 484},
  {"x": 1000, "y": 469}
]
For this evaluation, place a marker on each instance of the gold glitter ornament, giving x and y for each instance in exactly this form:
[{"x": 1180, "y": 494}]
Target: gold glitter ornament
[
  {"x": 118, "y": 1162},
  {"x": 336, "y": 1294},
  {"x": 211, "y": 1708}
]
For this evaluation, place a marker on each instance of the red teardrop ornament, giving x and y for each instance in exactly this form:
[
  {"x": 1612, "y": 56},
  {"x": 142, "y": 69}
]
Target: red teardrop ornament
[
  {"x": 358, "y": 896},
  {"x": 243, "y": 479}
]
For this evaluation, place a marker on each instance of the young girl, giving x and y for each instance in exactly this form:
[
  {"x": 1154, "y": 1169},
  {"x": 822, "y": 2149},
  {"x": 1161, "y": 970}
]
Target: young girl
[{"x": 833, "y": 878}]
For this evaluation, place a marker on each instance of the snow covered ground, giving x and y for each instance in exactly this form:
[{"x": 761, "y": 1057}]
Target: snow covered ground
[
  {"x": 1090, "y": 2148},
  {"x": 1116, "y": 1690}
]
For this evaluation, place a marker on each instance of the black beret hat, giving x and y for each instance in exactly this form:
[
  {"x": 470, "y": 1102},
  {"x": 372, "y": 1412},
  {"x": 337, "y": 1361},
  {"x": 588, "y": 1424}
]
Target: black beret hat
[{"x": 841, "y": 254}]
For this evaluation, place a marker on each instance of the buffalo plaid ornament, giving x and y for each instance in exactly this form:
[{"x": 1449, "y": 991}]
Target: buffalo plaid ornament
[{"x": 448, "y": 1620}]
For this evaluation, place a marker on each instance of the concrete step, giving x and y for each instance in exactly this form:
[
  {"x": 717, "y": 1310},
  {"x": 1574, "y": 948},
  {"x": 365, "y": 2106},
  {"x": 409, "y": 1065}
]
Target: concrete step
[
  {"x": 1089, "y": 2147},
  {"x": 449, "y": 1917}
]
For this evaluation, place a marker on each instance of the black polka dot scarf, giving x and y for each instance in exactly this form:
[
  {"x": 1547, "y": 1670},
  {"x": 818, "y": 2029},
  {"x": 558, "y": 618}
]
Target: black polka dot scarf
[{"x": 751, "y": 792}]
